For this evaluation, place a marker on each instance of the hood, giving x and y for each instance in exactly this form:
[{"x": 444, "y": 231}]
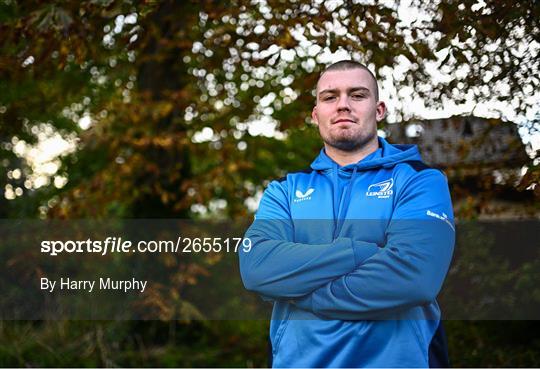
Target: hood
[{"x": 386, "y": 156}]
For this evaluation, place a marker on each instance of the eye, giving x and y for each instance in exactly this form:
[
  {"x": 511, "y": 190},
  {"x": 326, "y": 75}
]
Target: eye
[
  {"x": 328, "y": 97},
  {"x": 358, "y": 96}
]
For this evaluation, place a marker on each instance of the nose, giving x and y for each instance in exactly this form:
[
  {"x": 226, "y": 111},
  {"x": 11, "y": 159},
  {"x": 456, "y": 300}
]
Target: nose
[{"x": 343, "y": 104}]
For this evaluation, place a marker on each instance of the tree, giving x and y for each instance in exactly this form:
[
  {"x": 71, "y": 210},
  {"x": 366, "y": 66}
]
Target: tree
[{"x": 152, "y": 77}]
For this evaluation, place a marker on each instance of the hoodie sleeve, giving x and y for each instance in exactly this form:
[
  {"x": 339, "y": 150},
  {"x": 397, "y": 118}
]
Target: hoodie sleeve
[
  {"x": 409, "y": 270},
  {"x": 278, "y": 268}
]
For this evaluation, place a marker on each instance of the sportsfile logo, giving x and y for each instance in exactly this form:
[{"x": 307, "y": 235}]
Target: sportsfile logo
[
  {"x": 303, "y": 196},
  {"x": 382, "y": 190}
]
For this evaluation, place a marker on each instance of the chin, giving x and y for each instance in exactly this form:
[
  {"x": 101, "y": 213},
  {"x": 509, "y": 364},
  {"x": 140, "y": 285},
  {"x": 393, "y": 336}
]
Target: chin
[
  {"x": 347, "y": 143},
  {"x": 344, "y": 145}
]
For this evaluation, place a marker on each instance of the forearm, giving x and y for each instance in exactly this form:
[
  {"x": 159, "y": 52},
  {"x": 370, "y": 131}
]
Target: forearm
[
  {"x": 401, "y": 275},
  {"x": 279, "y": 268}
]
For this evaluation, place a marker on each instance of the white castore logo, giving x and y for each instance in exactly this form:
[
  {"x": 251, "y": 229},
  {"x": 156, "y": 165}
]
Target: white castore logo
[
  {"x": 303, "y": 196},
  {"x": 382, "y": 190}
]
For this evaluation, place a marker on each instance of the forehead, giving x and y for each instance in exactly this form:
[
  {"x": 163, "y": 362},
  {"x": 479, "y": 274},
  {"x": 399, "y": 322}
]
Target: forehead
[{"x": 344, "y": 79}]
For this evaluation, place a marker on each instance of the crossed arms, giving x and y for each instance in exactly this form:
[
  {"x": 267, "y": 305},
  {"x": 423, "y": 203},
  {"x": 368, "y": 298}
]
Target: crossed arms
[{"x": 349, "y": 278}]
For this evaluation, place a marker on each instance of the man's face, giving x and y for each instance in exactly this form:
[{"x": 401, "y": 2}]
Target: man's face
[{"x": 347, "y": 111}]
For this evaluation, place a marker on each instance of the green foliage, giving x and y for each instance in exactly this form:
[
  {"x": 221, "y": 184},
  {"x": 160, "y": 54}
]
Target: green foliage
[
  {"x": 493, "y": 42},
  {"x": 493, "y": 343},
  {"x": 151, "y": 77},
  {"x": 133, "y": 344}
]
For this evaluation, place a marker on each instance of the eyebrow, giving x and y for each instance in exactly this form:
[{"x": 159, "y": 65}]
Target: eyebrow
[{"x": 352, "y": 89}]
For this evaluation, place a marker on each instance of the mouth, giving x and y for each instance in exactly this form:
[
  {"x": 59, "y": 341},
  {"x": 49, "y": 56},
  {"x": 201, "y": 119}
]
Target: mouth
[{"x": 343, "y": 120}]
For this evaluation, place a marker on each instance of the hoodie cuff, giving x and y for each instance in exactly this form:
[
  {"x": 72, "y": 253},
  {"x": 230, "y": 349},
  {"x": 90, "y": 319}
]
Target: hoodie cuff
[{"x": 363, "y": 251}]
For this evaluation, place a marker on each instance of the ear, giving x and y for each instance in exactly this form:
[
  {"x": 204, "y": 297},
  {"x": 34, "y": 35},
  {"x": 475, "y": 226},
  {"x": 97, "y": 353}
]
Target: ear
[
  {"x": 314, "y": 115},
  {"x": 380, "y": 111}
]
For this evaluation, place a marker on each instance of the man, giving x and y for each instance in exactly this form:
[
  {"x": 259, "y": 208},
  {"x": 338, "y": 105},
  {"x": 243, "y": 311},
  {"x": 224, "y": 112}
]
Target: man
[{"x": 353, "y": 251}]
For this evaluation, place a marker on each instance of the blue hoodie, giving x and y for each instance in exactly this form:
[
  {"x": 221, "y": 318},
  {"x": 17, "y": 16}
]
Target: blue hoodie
[{"x": 353, "y": 258}]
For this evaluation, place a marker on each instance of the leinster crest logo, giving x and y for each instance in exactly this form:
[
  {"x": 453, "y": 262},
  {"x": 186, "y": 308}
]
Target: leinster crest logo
[{"x": 381, "y": 190}]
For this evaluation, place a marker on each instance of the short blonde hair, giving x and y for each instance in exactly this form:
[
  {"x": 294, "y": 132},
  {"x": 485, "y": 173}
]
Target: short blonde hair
[{"x": 351, "y": 64}]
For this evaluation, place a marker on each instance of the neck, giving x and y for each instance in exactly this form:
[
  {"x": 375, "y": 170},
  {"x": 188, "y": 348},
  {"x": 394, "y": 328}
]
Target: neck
[{"x": 351, "y": 157}]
